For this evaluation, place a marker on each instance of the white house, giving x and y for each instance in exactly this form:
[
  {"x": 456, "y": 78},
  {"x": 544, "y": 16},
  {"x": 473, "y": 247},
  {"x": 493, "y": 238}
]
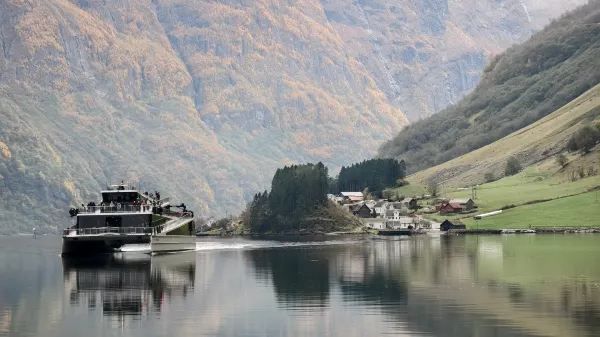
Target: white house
[
  {"x": 374, "y": 223},
  {"x": 395, "y": 220},
  {"x": 380, "y": 207},
  {"x": 392, "y": 214}
]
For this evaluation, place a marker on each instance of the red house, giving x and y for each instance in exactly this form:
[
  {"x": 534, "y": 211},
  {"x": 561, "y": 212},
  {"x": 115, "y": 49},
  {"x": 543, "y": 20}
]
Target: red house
[{"x": 450, "y": 207}]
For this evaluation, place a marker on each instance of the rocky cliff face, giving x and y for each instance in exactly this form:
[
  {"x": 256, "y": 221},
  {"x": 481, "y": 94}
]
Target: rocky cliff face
[
  {"x": 203, "y": 99},
  {"x": 427, "y": 54}
]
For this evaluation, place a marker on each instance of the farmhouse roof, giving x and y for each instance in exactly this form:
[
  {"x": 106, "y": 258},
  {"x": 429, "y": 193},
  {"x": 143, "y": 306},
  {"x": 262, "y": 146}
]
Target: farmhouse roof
[
  {"x": 352, "y": 194},
  {"x": 390, "y": 213},
  {"x": 460, "y": 201}
]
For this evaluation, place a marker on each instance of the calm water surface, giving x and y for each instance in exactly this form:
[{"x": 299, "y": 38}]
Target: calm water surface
[{"x": 422, "y": 286}]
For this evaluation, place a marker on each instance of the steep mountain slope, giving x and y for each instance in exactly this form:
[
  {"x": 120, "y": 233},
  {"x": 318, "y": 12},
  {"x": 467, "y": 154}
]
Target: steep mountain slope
[
  {"x": 532, "y": 144},
  {"x": 199, "y": 99},
  {"x": 522, "y": 85},
  {"x": 428, "y": 54}
]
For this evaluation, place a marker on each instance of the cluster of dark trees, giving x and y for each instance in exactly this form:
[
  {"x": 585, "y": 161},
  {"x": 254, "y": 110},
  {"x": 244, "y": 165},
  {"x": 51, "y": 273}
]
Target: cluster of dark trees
[
  {"x": 584, "y": 139},
  {"x": 296, "y": 191},
  {"x": 374, "y": 174},
  {"x": 513, "y": 166},
  {"x": 524, "y": 84}
]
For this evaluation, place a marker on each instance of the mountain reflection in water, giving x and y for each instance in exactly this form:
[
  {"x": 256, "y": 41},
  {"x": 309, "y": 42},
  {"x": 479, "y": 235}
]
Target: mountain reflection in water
[
  {"x": 501, "y": 286},
  {"x": 448, "y": 286}
]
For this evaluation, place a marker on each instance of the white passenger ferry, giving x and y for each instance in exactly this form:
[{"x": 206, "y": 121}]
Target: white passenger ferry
[{"x": 124, "y": 216}]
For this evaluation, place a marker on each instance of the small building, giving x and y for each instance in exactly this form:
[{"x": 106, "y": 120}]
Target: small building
[
  {"x": 363, "y": 211},
  {"x": 466, "y": 204},
  {"x": 398, "y": 206},
  {"x": 447, "y": 225},
  {"x": 374, "y": 223},
  {"x": 392, "y": 214},
  {"x": 449, "y": 207},
  {"x": 401, "y": 222},
  {"x": 380, "y": 207},
  {"x": 352, "y": 196}
]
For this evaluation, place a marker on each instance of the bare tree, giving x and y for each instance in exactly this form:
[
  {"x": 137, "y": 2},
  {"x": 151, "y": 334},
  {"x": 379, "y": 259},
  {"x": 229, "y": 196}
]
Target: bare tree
[
  {"x": 562, "y": 160},
  {"x": 433, "y": 187}
]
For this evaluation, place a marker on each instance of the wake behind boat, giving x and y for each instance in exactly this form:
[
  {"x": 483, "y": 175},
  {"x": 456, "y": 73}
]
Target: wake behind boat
[{"x": 125, "y": 216}]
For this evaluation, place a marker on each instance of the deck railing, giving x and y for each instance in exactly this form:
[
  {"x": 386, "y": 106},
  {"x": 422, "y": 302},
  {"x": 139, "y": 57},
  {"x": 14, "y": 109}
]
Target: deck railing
[
  {"x": 156, "y": 227},
  {"x": 115, "y": 209},
  {"x": 178, "y": 214},
  {"x": 109, "y": 230}
]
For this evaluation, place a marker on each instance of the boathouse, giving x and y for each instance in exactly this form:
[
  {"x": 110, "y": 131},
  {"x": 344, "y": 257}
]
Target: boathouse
[{"x": 447, "y": 225}]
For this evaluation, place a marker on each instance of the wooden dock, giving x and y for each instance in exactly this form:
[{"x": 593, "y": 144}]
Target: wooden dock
[{"x": 402, "y": 231}]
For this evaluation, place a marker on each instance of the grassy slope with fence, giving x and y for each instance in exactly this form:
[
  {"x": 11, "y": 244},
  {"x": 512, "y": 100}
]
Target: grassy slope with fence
[{"x": 542, "y": 195}]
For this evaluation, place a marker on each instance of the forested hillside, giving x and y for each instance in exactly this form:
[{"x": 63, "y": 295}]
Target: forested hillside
[
  {"x": 374, "y": 175},
  {"x": 519, "y": 87},
  {"x": 297, "y": 198}
]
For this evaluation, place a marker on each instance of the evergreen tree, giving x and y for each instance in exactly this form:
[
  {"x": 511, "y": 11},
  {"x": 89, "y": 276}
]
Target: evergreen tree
[
  {"x": 374, "y": 174},
  {"x": 296, "y": 191}
]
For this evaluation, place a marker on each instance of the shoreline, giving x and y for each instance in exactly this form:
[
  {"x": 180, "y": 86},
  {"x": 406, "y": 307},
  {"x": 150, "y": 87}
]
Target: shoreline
[{"x": 533, "y": 230}]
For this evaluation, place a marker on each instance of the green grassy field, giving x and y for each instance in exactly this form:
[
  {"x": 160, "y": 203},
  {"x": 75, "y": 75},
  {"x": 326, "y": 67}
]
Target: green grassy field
[
  {"x": 409, "y": 191},
  {"x": 565, "y": 202},
  {"x": 582, "y": 210},
  {"x": 530, "y": 185}
]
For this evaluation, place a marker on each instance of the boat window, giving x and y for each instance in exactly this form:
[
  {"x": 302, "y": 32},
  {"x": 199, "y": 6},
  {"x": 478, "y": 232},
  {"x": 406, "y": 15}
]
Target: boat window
[
  {"x": 119, "y": 197},
  {"x": 113, "y": 221}
]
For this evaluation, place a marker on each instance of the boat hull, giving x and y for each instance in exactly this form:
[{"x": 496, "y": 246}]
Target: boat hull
[
  {"x": 82, "y": 246},
  {"x": 172, "y": 243}
]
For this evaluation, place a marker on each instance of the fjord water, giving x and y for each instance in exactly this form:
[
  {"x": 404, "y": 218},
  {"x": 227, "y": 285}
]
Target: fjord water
[{"x": 529, "y": 285}]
